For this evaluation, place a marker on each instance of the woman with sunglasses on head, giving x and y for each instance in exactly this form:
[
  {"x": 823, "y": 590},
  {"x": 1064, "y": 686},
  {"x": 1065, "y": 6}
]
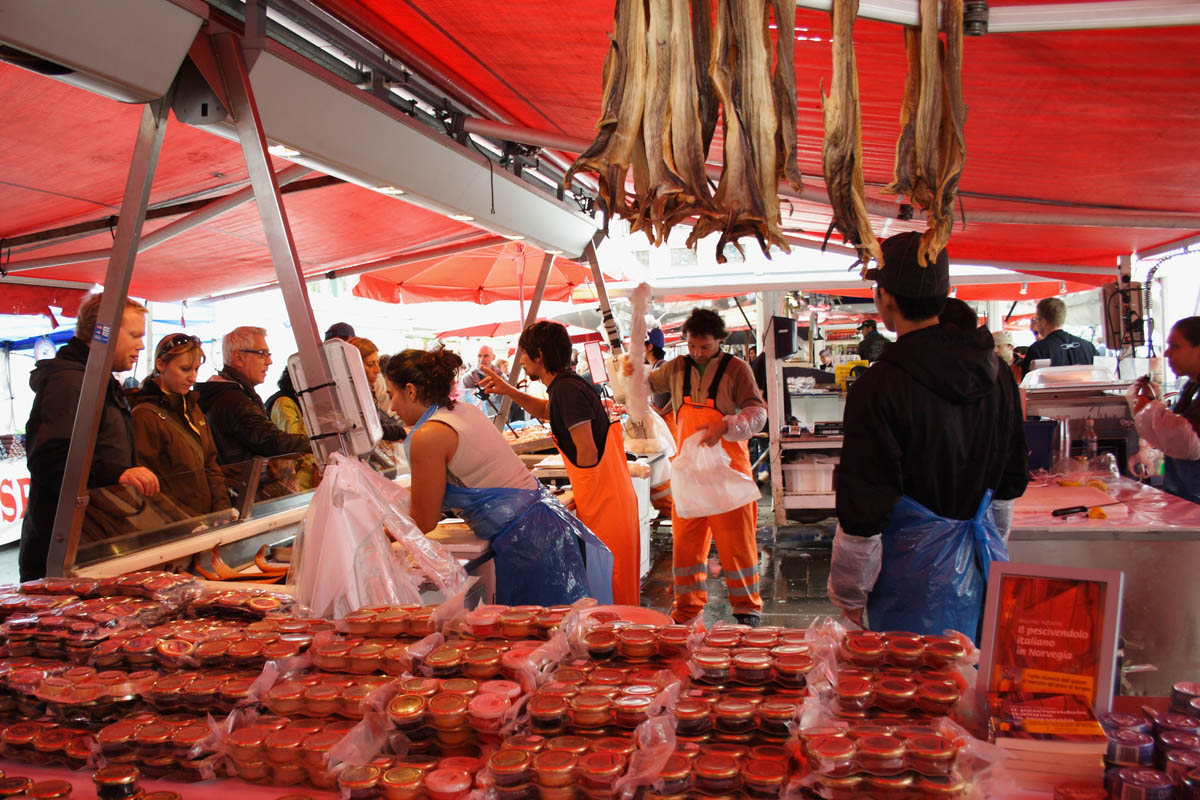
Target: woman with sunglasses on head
[{"x": 170, "y": 432}]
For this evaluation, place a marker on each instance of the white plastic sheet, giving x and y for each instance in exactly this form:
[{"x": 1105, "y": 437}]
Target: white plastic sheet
[{"x": 703, "y": 483}]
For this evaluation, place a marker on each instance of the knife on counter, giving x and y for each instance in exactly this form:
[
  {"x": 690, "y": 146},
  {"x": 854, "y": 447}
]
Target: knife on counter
[{"x": 1066, "y": 512}]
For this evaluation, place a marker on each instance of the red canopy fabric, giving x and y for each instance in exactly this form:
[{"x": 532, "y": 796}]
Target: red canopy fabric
[
  {"x": 493, "y": 330},
  {"x": 1074, "y": 121},
  {"x": 498, "y": 272},
  {"x": 17, "y": 299},
  {"x": 65, "y": 160},
  {"x": 978, "y": 292}
]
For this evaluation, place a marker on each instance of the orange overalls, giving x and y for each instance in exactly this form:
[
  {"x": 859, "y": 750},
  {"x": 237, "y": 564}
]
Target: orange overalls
[
  {"x": 606, "y": 503},
  {"x": 734, "y": 531}
]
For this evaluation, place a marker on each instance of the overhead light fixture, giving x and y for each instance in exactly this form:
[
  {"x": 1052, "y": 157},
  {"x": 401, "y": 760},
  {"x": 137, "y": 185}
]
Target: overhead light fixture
[
  {"x": 1062, "y": 287},
  {"x": 390, "y": 191},
  {"x": 554, "y": 252},
  {"x": 1024, "y": 288},
  {"x": 461, "y": 217},
  {"x": 513, "y": 237},
  {"x": 282, "y": 150}
]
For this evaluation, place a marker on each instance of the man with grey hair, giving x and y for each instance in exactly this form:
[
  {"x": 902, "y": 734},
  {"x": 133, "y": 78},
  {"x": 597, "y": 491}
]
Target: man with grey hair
[
  {"x": 57, "y": 383},
  {"x": 236, "y": 414}
]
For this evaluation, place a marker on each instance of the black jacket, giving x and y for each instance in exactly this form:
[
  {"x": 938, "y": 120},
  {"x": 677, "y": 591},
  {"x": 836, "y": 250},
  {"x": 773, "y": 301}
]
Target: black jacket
[
  {"x": 934, "y": 419},
  {"x": 872, "y": 346},
  {"x": 57, "y": 383},
  {"x": 239, "y": 422},
  {"x": 1062, "y": 348}
]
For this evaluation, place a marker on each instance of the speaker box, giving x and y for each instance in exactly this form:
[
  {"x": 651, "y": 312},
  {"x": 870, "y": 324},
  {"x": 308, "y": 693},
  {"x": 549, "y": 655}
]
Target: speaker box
[
  {"x": 784, "y": 331},
  {"x": 1123, "y": 302}
]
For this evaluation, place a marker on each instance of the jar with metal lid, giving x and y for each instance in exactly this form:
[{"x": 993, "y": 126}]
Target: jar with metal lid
[
  {"x": 774, "y": 716},
  {"x": 447, "y": 784},
  {"x": 791, "y": 669},
  {"x": 763, "y": 777},
  {"x": 365, "y": 659},
  {"x": 607, "y": 676},
  {"x": 937, "y": 697},
  {"x": 636, "y": 644},
  {"x": 715, "y": 773},
  {"x": 555, "y": 768},
  {"x": 905, "y": 650},
  {"x": 164, "y": 795},
  {"x": 246, "y": 744},
  {"x": 863, "y": 648},
  {"x": 288, "y": 774},
  {"x": 931, "y": 754},
  {"x": 511, "y": 767},
  {"x": 751, "y": 669},
  {"x": 881, "y": 754},
  {"x": 152, "y": 740},
  {"x": 360, "y": 782},
  {"x": 50, "y": 741},
  {"x": 693, "y": 717},
  {"x": 283, "y": 746},
  {"x": 672, "y": 640},
  {"x": 855, "y": 694},
  {"x": 887, "y": 785},
  {"x": 723, "y": 638},
  {"x": 713, "y": 665},
  {"x": 943, "y": 651},
  {"x": 113, "y": 739},
  {"x": 1129, "y": 749},
  {"x": 895, "y": 694},
  {"x": 445, "y": 662},
  {"x": 760, "y": 638},
  {"x": 516, "y": 624},
  {"x": 590, "y": 711},
  {"x": 360, "y": 622},
  {"x": 117, "y": 783},
  {"x": 482, "y": 663},
  {"x": 245, "y": 652},
  {"x": 465, "y": 686},
  {"x": 631, "y": 710},
  {"x": 675, "y": 777},
  {"x": 320, "y": 700},
  {"x": 831, "y": 755},
  {"x": 734, "y": 715},
  {"x": 285, "y": 698},
  {"x": 420, "y": 621},
  {"x": 54, "y": 789},
  {"x": 188, "y": 738},
  {"x": 599, "y": 771},
  {"x": 486, "y": 713},
  {"x": 547, "y": 713},
  {"x": 601, "y": 645},
  {"x": 447, "y": 711},
  {"x": 314, "y": 750},
  {"x": 510, "y": 690},
  {"x": 14, "y": 786},
  {"x": 577, "y": 745},
  {"x": 352, "y": 701}
]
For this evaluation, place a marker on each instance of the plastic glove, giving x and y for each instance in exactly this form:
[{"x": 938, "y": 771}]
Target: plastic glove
[
  {"x": 744, "y": 424},
  {"x": 853, "y": 569},
  {"x": 1167, "y": 431}
]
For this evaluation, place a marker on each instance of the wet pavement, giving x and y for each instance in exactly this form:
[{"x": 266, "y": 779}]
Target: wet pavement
[{"x": 793, "y": 567}]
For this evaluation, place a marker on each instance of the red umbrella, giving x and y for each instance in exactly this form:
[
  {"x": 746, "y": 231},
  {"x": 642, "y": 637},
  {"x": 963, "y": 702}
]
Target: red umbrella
[
  {"x": 507, "y": 271},
  {"x": 492, "y": 330}
]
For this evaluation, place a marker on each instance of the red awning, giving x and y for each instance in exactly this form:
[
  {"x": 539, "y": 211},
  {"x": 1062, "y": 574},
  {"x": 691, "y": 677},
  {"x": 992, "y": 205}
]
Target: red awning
[
  {"x": 1073, "y": 122},
  {"x": 978, "y": 292},
  {"x": 493, "y": 330},
  {"x": 498, "y": 272},
  {"x": 17, "y": 299}
]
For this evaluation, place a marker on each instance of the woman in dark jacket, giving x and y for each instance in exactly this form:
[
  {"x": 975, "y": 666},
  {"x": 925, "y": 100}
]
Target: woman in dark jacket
[{"x": 171, "y": 435}]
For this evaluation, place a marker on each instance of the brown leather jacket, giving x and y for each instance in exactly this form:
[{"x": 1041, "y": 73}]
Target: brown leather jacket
[{"x": 172, "y": 438}]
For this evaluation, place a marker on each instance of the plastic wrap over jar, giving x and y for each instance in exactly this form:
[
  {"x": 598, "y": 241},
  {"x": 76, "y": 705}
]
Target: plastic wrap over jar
[
  {"x": 343, "y": 558},
  {"x": 704, "y": 484},
  {"x": 934, "y": 570},
  {"x": 544, "y": 556}
]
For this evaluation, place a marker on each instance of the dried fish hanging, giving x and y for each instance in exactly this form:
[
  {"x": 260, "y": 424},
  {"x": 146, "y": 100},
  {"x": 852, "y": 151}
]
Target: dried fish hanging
[
  {"x": 841, "y": 152},
  {"x": 666, "y": 53},
  {"x": 931, "y": 150}
]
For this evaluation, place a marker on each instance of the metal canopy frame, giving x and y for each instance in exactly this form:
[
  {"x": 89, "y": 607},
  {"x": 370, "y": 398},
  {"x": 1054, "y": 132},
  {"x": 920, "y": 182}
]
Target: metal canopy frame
[{"x": 228, "y": 54}]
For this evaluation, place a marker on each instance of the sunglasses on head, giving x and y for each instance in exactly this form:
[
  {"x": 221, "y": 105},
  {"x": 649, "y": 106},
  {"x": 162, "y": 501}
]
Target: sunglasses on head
[{"x": 177, "y": 342}]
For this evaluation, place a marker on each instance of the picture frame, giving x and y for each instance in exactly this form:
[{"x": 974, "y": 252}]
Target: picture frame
[{"x": 1051, "y": 629}]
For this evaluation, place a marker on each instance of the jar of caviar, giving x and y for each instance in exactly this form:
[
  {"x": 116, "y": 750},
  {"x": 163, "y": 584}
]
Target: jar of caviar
[
  {"x": 855, "y": 694},
  {"x": 631, "y": 710},
  {"x": 751, "y": 669},
  {"x": 510, "y": 690},
  {"x": 482, "y": 663},
  {"x": 283, "y": 746},
  {"x": 54, "y": 789},
  {"x": 607, "y": 676},
  {"x": 447, "y": 711},
  {"x": 511, "y": 767},
  {"x": 723, "y": 638},
  {"x": 117, "y": 783},
  {"x": 445, "y": 662},
  {"x": 715, "y": 773},
  {"x": 905, "y": 650},
  {"x": 590, "y": 711},
  {"x": 942, "y": 651},
  {"x": 937, "y": 697},
  {"x": 331, "y": 656},
  {"x": 515, "y": 624},
  {"x": 365, "y": 659},
  {"x": 881, "y": 754},
  {"x": 547, "y": 713},
  {"x": 555, "y": 768},
  {"x": 714, "y": 666},
  {"x": 791, "y": 669},
  {"x": 314, "y": 750},
  {"x": 774, "y": 716},
  {"x": 599, "y": 771},
  {"x": 636, "y": 644},
  {"x": 152, "y": 740},
  {"x": 672, "y": 640},
  {"x": 831, "y": 756},
  {"x": 188, "y": 738},
  {"x": 863, "y": 648},
  {"x": 402, "y": 783},
  {"x": 763, "y": 777},
  {"x": 601, "y": 645},
  {"x": 352, "y": 701},
  {"x": 931, "y": 754},
  {"x": 895, "y": 694},
  {"x": 465, "y": 686},
  {"x": 486, "y": 712},
  {"x": 285, "y": 698},
  {"x": 164, "y": 795},
  {"x": 484, "y": 622},
  {"x": 734, "y": 715},
  {"x": 420, "y": 621},
  {"x": 360, "y": 782},
  {"x": 245, "y": 745},
  {"x": 887, "y": 785},
  {"x": 693, "y": 717},
  {"x": 14, "y": 786},
  {"x": 949, "y": 786},
  {"x": 360, "y": 622},
  {"x": 675, "y": 777},
  {"x": 447, "y": 784}
]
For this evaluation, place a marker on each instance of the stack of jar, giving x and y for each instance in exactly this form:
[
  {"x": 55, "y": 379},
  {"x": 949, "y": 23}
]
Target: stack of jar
[
  {"x": 412, "y": 777},
  {"x": 512, "y": 622},
  {"x": 637, "y": 644},
  {"x": 1156, "y": 753},
  {"x": 594, "y": 700},
  {"x": 883, "y": 761},
  {"x": 285, "y": 752},
  {"x": 891, "y": 675},
  {"x": 451, "y": 717}
]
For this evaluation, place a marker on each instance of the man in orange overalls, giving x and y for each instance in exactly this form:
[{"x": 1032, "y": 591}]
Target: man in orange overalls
[
  {"x": 592, "y": 448},
  {"x": 714, "y": 392}
]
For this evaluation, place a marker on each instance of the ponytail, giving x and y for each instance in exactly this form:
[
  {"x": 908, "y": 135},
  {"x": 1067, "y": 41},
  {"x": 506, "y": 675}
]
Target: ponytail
[{"x": 433, "y": 372}]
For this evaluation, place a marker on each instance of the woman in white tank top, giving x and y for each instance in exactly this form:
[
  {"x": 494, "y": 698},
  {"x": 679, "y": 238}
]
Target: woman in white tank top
[{"x": 460, "y": 463}]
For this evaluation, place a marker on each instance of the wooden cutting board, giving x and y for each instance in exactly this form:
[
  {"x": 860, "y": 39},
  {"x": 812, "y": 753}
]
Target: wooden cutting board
[{"x": 1044, "y": 499}]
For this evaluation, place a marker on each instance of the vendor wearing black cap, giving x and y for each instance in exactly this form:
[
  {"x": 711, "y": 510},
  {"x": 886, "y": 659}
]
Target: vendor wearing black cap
[
  {"x": 931, "y": 434},
  {"x": 873, "y": 342}
]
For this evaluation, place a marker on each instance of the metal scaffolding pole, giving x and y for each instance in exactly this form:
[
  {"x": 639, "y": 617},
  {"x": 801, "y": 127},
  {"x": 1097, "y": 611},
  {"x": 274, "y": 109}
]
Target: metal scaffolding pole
[
  {"x": 534, "y": 306},
  {"x": 232, "y": 63},
  {"x": 72, "y": 497}
]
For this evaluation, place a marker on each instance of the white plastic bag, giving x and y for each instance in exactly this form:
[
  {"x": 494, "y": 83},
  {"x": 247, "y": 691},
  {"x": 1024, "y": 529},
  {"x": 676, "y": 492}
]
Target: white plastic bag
[
  {"x": 343, "y": 558},
  {"x": 703, "y": 483}
]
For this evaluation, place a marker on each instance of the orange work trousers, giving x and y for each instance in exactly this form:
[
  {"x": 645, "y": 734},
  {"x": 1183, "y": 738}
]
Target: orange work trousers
[
  {"x": 733, "y": 531},
  {"x": 606, "y": 503}
]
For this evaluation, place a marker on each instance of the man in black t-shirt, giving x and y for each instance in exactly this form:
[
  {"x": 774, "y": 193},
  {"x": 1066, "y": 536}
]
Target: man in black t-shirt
[{"x": 1053, "y": 342}]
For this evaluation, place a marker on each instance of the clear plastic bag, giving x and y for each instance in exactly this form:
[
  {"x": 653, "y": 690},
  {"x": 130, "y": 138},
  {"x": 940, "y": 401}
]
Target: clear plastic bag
[
  {"x": 343, "y": 558},
  {"x": 704, "y": 484}
]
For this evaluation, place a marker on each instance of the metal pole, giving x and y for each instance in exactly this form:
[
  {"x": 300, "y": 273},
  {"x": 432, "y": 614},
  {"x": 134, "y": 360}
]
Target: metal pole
[
  {"x": 535, "y": 305},
  {"x": 279, "y": 237},
  {"x": 610, "y": 324},
  {"x": 72, "y": 496},
  {"x": 166, "y": 232},
  {"x": 774, "y": 410}
]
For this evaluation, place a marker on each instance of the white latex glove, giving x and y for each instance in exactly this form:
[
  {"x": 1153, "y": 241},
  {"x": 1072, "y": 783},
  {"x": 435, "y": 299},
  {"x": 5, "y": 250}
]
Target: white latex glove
[
  {"x": 853, "y": 570},
  {"x": 744, "y": 424},
  {"x": 1167, "y": 431}
]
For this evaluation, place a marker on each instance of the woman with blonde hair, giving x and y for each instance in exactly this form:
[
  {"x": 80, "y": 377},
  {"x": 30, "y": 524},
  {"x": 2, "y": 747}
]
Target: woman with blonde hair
[
  {"x": 171, "y": 434},
  {"x": 393, "y": 430}
]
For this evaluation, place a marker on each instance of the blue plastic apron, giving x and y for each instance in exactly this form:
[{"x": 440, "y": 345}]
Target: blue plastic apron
[
  {"x": 536, "y": 542},
  {"x": 934, "y": 570},
  {"x": 1181, "y": 477}
]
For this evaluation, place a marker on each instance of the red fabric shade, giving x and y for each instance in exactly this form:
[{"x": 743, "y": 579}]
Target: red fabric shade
[
  {"x": 17, "y": 299},
  {"x": 978, "y": 292},
  {"x": 492, "y": 330},
  {"x": 498, "y": 272}
]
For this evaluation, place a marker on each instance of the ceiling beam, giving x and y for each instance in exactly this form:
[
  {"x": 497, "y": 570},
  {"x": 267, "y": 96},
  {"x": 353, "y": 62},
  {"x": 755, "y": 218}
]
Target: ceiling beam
[{"x": 1037, "y": 17}]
